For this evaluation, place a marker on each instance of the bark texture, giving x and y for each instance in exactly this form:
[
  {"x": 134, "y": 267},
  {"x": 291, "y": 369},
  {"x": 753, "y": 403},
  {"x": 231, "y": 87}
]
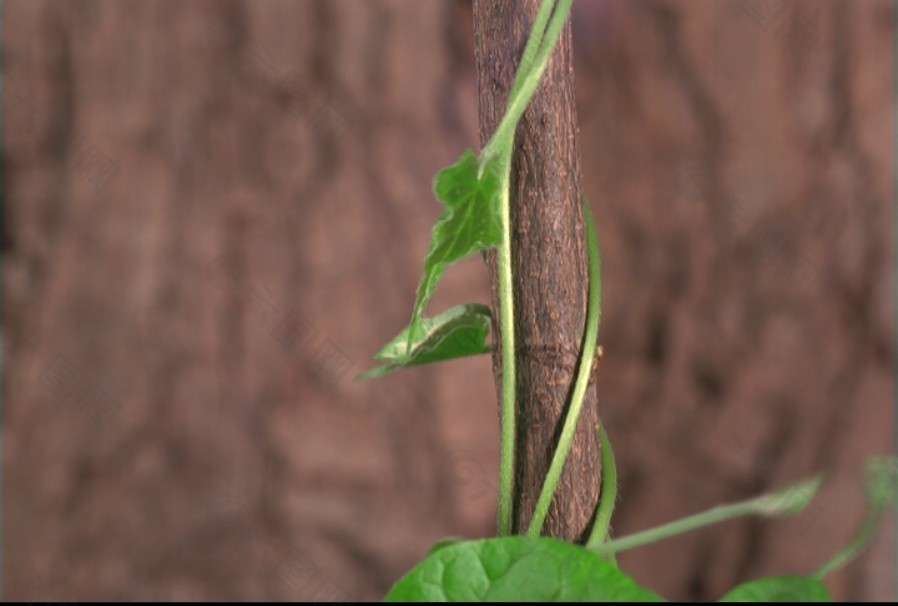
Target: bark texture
[
  {"x": 549, "y": 261},
  {"x": 217, "y": 210}
]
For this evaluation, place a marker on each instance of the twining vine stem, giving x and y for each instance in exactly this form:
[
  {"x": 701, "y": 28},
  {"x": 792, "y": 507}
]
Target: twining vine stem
[
  {"x": 587, "y": 358},
  {"x": 537, "y": 53}
]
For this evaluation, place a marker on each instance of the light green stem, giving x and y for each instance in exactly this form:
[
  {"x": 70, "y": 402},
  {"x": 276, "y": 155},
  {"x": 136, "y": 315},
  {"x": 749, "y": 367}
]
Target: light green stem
[
  {"x": 537, "y": 33},
  {"x": 788, "y": 501},
  {"x": 533, "y": 65},
  {"x": 504, "y": 135},
  {"x": 506, "y": 312},
  {"x": 881, "y": 486},
  {"x": 587, "y": 358},
  {"x": 713, "y": 516},
  {"x": 864, "y": 536},
  {"x": 601, "y": 526}
]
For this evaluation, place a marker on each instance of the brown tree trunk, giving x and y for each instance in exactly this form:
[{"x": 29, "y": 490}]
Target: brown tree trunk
[{"x": 549, "y": 264}]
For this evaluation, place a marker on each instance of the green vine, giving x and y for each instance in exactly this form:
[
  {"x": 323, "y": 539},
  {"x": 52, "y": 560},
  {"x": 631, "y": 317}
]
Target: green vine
[
  {"x": 502, "y": 146},
  {"x": 601, "y": 529},
  {"x": 587, "y": 356}
]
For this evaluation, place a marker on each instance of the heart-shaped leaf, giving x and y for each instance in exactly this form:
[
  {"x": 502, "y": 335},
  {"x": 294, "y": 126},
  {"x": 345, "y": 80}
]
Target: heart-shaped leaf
[
  {"x": 780, "y": 589},
  {"x": 462, "y": 331},
  {"x": 517, "y": 569}
]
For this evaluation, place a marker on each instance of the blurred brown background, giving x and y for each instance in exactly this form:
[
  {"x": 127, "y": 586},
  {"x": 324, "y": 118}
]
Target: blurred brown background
[{"x": 215, "y": 212}]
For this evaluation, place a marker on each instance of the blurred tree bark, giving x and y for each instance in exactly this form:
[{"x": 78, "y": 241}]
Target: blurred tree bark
[
  {"x": 551, "y": 287},
  {"x": 217, "y": 210}
]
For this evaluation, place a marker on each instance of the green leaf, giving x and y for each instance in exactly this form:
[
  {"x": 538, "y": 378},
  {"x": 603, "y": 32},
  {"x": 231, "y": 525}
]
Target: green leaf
[
  {"x": 471, "y": 223},
  {"x": 461, "y": 331},
  {"x": 443, "y": 543},
  {"x": 780, "y": 589},
  {"x": 516, "y": 569}
]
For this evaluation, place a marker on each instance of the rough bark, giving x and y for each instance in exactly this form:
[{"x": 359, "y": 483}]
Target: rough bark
[{"x": 549, "y": 264}]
